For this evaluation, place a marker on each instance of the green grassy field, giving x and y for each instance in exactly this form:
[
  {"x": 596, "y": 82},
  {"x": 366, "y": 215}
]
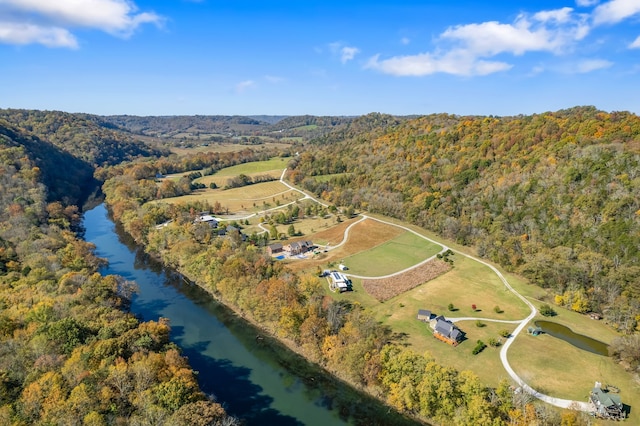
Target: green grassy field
[
  {"x": 277, "y": 163},
  {"x": 247, "y": 199},
  {"x": 327, "y": 178},
  {"x": 559, "y": 369},
  {"x": 402, "y": 252},
  {"x": 222, "y": 180}
]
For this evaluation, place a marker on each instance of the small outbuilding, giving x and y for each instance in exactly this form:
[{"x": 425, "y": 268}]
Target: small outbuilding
[
  {"x": 339, "y": 281},
  {"x": 534, "y": 331},
  {"x": 424, "y": 315},
  {"x": 274, "y": 249},
  {"x": 208, "y": 219}
]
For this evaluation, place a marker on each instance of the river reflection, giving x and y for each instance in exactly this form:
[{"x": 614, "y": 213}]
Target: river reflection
[{"x": 257, "y": 380}]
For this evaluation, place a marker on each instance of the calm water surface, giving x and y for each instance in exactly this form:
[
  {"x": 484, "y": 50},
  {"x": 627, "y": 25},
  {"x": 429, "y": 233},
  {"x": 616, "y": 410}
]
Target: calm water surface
[
  {"x": 246, "y": 375},
  {"x": 578, "y": 340}
]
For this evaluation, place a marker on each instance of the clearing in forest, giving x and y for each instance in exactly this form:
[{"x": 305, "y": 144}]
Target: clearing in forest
[{"x": 250, "y": 198}]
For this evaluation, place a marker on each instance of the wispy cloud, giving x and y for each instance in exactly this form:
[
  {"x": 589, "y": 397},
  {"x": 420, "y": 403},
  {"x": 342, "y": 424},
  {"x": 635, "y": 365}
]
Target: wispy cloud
[
  {"x": 615, "y": 11},
  {"x": 405, "y": 40},
  {"x": 589, "y": 65},
  {"x": 345, "y": 53},
  {"x": 587, "y": 3},
  {"x": 50, "y": 23},
  {"x": 243, "y": 86},
  {"x": 24, "y": 33},
  {"x": 635, "y": 44},
  {"x": 274, "y": 79}
]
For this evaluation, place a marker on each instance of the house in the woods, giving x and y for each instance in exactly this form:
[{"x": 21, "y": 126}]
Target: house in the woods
[
  {"x": 208, "y": 219},
  {"x": 446, "y": 331},
  {"x": 424, "y": 315},
  {"x": 607, "y": 404},
  {"x": 274, "y": 249}
]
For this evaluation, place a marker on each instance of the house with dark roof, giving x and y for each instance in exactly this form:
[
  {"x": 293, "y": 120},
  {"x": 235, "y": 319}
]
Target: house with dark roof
[
  {"x": 446, "y": 331},
  {"x": 424, "y": 315},
  {"x": 274, "y": 249},
  {"x": 298, "y": 247},
  {"x": 293, "y": 248},
  {"x": 208, "y": 219}
]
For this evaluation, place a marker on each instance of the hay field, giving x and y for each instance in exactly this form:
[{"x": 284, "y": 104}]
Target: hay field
[{"x": 247, "y": 199}]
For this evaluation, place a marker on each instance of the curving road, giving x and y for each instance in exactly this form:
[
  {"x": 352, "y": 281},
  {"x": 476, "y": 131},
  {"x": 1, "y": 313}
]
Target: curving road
[{"x": 558, "y": 402}]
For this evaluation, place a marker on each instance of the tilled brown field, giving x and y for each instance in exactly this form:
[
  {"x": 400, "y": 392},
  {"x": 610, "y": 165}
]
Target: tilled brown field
[{"x": 386, "y": 288}]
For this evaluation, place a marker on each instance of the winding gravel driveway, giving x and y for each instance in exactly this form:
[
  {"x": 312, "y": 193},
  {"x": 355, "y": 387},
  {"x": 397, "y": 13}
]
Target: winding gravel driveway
[{"x": 558, "y": 402}]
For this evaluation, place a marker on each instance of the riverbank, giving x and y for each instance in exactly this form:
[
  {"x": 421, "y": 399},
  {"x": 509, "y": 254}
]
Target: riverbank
[{"x": 348, "y": 403}]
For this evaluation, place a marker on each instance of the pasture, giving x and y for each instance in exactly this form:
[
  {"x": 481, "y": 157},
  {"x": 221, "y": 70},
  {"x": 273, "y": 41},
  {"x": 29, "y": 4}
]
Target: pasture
[
  {"x": 403, "y": 251},
  {"x": 227, "y": 147},
  {"x": 247, "y": 199}
]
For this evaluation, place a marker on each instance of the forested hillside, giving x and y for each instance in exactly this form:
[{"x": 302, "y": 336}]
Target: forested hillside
[
  {"x": 87, "y": 137},
  {"x": 553, "y": 196},
  {"x": 70, "y": 353},
  {"x": 66, "y": 178},
  {"x": 170, "y": 126}
]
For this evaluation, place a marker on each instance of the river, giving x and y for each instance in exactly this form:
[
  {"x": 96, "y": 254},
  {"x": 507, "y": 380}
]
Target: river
[{"x": 245, "y": 374}]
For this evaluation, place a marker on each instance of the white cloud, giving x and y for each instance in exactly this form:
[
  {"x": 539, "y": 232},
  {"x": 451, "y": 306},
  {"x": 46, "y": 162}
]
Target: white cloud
[
  {"x": 589, "y": 65},
  {"x": 469, "y": 49},
  {"x": 455, "y": 62},
  {"x": 492, "y": 38},
  {"x": 586, "y": 3},
  {"x": 582, "y": 66},
  {"x": 346, "y": 53},
  {"x": 635, "y": 44},
  {"x": 245, "y": 85},
  {"x": 559, "y": 15},
  {"x": 405, "y": 40},
  {"x": 273, "y": 79},
  {"x": 615, "y": 11},
  {"x": 116, "y": 17},
  {"x": 19, "y": 33}
]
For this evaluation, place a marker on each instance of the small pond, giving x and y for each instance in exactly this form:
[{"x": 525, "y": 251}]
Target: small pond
[{"x": 578, "y": 340}]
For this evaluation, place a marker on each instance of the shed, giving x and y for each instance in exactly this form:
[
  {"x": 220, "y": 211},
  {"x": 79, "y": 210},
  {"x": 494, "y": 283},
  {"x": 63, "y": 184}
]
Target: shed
[
  {"x": 424, "y": 315},
  {"x": 274, "y": 248}
]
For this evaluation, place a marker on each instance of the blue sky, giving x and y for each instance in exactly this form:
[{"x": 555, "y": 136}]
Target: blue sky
[{"x": 241, "y": 57}]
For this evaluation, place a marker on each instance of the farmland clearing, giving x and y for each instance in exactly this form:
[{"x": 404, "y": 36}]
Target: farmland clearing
[{"x": 373, "y": 249}]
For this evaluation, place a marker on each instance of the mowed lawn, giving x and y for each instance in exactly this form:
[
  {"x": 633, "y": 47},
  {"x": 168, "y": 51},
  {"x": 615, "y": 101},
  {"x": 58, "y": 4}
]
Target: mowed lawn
[
  {"x": 272, "y": 167},
  {"x": 468, "y": 283},
  {"x": 555, "y": 367},
  {"x": 250, "y": 198},
  {"x": 403, "y": 251},
  {"x": 276, "y": 163}
]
